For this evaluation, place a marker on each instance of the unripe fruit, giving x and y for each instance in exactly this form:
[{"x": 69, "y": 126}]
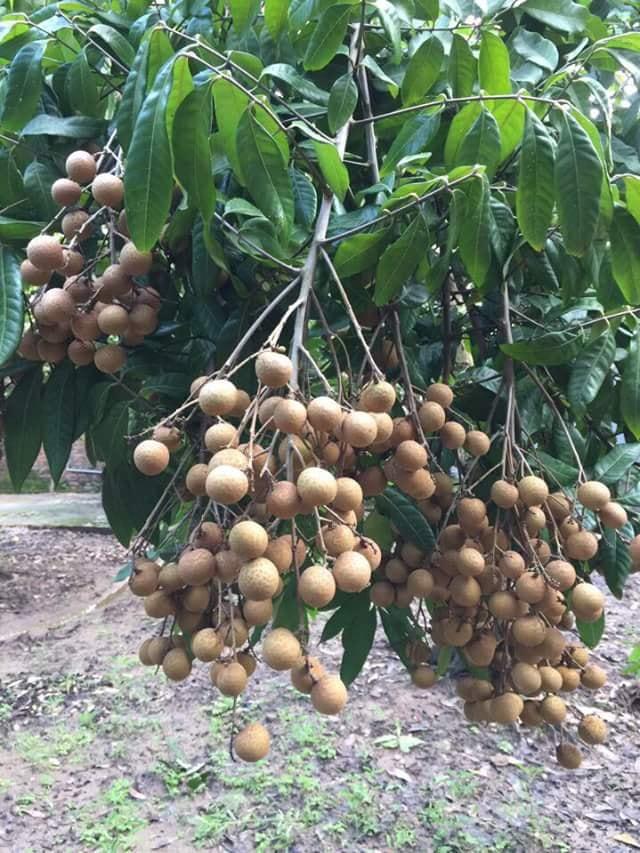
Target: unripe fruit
[
  {"x": 280, "y": 649},
  {"x": 206, "y": 644},
  {"x": 420, "y": 583},
  {"x": 359, "y": 429},
  {"x": 176, "y": 665},
  {"x": 452, "y": 435},
  {"x": 506, "y": 708},
  {"x": 352, "y": 572},
  {"x": 305, "y": 674},
  {"x": 424, "y": 677},
  {"x": 55, "y": 306},
  {"x": 477, "y": 443},
  {"x": 504, "y": 494},
  {"x": 252, "y": 743},
  {"x": 440, "y": 393},
  {"x": 317, "y": 586},
  {"x": 593, "y": 677},
  {"x": 410, "y": 455},
  {"x": 171, "y": 437},
  {"x": 108, "y": 190},
  {"x": 113, "y": 320},
  {"x": 613, "y": 515},
  {"x": 526, "y": 679},
  {"x": 568, "y": 756},
  {"x": 324, "y": 414},
  {"x": 593, "y": 495},
  {"x": 133, "y": 262},
  {"x": 316, "y": 486},
  {"x": 258, "y": 579},
  {"x": 65, "y": 192},
  {"x": 217, "y": 397},
  {"x": 257, "y": 612},
  {"x": 196, "y": 567},
  {"x": 110, "y": 358},
  {"x": 378, "y": 397},
  {"x": 561, "y": 574},
  {"x": 273, "y": 369},
  {"x": 248, "y": 540},
  {"x": 231, "y": 679},
  {"x": 592, "y": 729},
  {"x": 196, "y": 479},
  {"x": 382, "y": 594},
  {"x": 81, "y": 167},
  {"x": 329, "y": 695},
  {"x": 432, "y": 416},
  {"x": 587, "y": 602},
  {"x": 533, "y": 491},
  {"x": 80, "y": 353},
  {"x": 226, "y": 485}
]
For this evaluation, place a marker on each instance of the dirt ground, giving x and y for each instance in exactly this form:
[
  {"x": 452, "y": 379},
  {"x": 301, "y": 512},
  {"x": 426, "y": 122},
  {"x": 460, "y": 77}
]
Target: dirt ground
[{"x": 98, "y": 753}]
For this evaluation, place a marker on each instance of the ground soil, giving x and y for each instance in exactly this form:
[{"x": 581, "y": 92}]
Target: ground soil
[{"x": 99, "y": 753}]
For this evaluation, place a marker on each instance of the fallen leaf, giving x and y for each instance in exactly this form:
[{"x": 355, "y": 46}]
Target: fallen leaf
[{"x": 629, "y": 840}]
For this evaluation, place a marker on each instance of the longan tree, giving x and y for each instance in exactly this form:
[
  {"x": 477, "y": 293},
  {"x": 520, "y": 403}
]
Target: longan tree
[{"x": 344, "y": 297}]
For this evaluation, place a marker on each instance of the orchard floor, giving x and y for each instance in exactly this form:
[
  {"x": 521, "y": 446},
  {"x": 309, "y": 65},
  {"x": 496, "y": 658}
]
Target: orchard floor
[{"x": 98, "y": 753}]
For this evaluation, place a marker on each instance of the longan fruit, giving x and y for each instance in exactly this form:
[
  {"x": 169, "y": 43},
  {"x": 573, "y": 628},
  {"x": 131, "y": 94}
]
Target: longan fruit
[
  {"x": 305, "y": 674},
  {"x": 432, "y": 416},
  {"x": 384, "y": 431},
  {"x": 329, "y": 695},
  {"x": 217, "y": 397},
  {"x": 196, "y": 599},
  {"x": 80, "y": 352},
  {"x": 206, "y": 644},
  {"x": 273, "y": 369},
  {"x": 317, "y": 486},
  {"x": 252, "y": 743},
  {"x": 85, "y": 326},
  {"x": 290, "y": 416},
  {"x": 55, "y": 306},
  {"x": 171, "y": 437},
  {"x": 352, "y": 572},
  {"x": 248, "y": 540},
  {"x": 533, "y": 491},
  {"x": 440, "y": 393},
  {"x": 280, "y": 649},
  {"x": 470, "y": 562},
  {"x": 592, "y": 729},
  {"x": 51, "y": 352},
  {"x": 568, "y": 756},
  {"x": 559, "y": 505},
  {"x": 481, "y": 651},
  {"x": 196, "y": 479},
  {"x": 257, "y": 612},
  {"x": 349, "y": 494},
  {"x": 511, "y": 564},
  {"x": 144, "y": 579},
  {"x": 110, "y": 358},
  {"x": 157, "y": 649},
  {"x": 108, "y": 190},
  {"x": 529, "y": 631},
  {"x": 410, "y": 455},
  {"x": 378, "y": 397},
  {"x": 134, "y": 262},
  {"x": 81, "y": 167},
  {"x": 196, "y": 567},
  {"x": 424, "y": 676},
  {"x": 613, "y": 515},
  {"x": 553, "y": 710},
  {"x": 417, "y": 484},
  {"x": 176, "y": 664},
  {"x": 231, "y": 679},
  {"x": 226, "y": 485},
  {"x": 581, "y": 546},
  {"x": 477, "y": 443},
  {"x": 506, "y": 708},
  {"x": 113, "y": 320},
  {"x": 587, "y": 602},
  {"x": 570, "y": 678},
  {"x": 317, "y": 586},
  {"x": 143, "y": 320},
  {"x": 382, "y": 594},
  {"x": 526, "y": 678},
  {"x": 151, "y": 457},
  {"x": 530, "y": 587},
  {"x": 75, "y": 224},
  {"x": 452, "y": 435},
  {"x": 218, "y": 436},
  {"x": 143, "y": 653},
  {"x": 593, "y": 495},
  {"x": 258, "y": 579},
  {"x": 324, "y": 414},
  {"x": 471, "y": 513},
  {"x": 593, "y": 677},
  {"x": 551, "y": 680},
  {"x": 359, "y": 429},
  {"x": 465, "y": 591},
  {"x": 30, "y": 274},
  {"x": 158, "y": 605},
  {"x": 65, "y": 192},
  {"x": 283, "y": 501},
  {"x": 504, "y": 494}
]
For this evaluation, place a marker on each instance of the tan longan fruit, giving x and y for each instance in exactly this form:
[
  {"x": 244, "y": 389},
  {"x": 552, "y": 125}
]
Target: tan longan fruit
[
  {"x": 473, "y": 689},
  {"x": 324, "y": 414},
  {"x": 273, "y": 369},
  {"x": 529, "y": 631},
  {"x": 158, "y": 605},
  {"x": 77, "y": 286},
  {"x": 432, "y": 416},
  {"x": 317, "y": 586},
  {"x": 65, "y": 192},
  {"x": 465, "y": 591},
  {"x": 330, "y": 453},
  {"x": 252, "y": 743},
  {"x": 283, "y": 501},
  {"x": 559, "y": 505},
  {"x": 248, "y": 540},
  {"x": 209, "y": 535},
  {"x": 481, "y": 651},
  {"x": 359, "y": 429},
  {"x": 533, "y": 491},
  {"x": 114, "y": 320},
  {"x": 196, "y": 599},
  {"x": 403, "y": 430},
  {"x": 75, "y": 224},
  {"x": 530, "y": 715},
  {"x": 456, "y": 633},
  {"x": 280, "y": 649},
  {"x": 80, "y": 352},
  {"x": 217, "y": 397},
  {"x": 410, "y": 455},
  {"x": 51, "y": 352},
  {"x": 570, "y": 678},
  {"x": 317, "y": 486},
  {"x": 477, "y": 712},
  {"x": 613, "y": 515},
  {"x": 196, "y": 479},
  {"x": 417, "y": 484},
  {"x": 196, "y": 567},
  {"x": 551, "y": 679},
  {"x": 226, "y": 485},
  {"x": 470, "y": 562},
  {"x": 593, "y": 677},
  {"x": 227, "y": 566},
  {"x": 352, "y": 572},
  {"x": 396, "y": 570},
  {"x": 403, "y": 596},
  {"x": 511, "y": 564},
  {"x": 290, "y": 416},
  {"x": 85, "y": 326},
  {"x": 258, "y": 579},
  {"x": 378, "y": 397},
  {"x": 157, "y": 649},
  {"x": 231, "y": 456},
  {"x": 143, "y": 320},
  {"x": 384, "y": 430},
  {"x": 424, "y": 676},
  {"x": 176, "y": 664},
  {"x": 534, "y": 520},
  {"x": 280, "y": 552},
  {"x": 55, "y": 306},
  {"x": 349, "y": 494},
  {"x": 471, "y": 513},
  {"x": 329, "y": 695},
  {"x": 477, "y": 443},
  {"x": 581, "y": 546},
  {"x": 219, "y": 436},
  {"x": 206, "y": 644},
  {"x": 266, "y": 410},
  {"x": 337, "y": 539},
  {"x": 30, "y": 274},
  {"x": 506, "y": 708},
  {"x": 561, "y": 574},
  {"x": 451, "y": 537},
  {"x": 114, "y": 283},
  {"x": 382, "y": 594},
  {"x": 579, "y": 655},
  {"x": 592, "y": 729},
  {"x": 151, "y": 457},
  {"x": 504, "y": 494},
  {"x": 55, "y": 334},
  {"x": 243, "y": 401},
  {"x": 413, "y": 556},
  {"x": 530, "y": 587},
  {"x": 568, "y": 756},
  {"x": 257, "y": 612},
  {"x": 593, "y": 495},
  {"x": 81, "y": 167},
  {"x": 526, "y": 679},
  {"x": 231, "y": 679},
  {"x": 134, "y": 262},
  {"x": 440, "y": 393},
  {"x": 108, "y": 190},
  {"x": 306, "y": 673},
  {"x": 171, "y": 437},
  {"x": 553, "y": 710},
  {"x": 452, "y": 435},
  {"x": 587, "y": 602},
  {"x": 234, "y": 633},
  {"x": 110, "y": 358},
  {"x": 143, "y": 653},
  {"x": 144, "y": 579},
  {"x": 541, "y": 549}
]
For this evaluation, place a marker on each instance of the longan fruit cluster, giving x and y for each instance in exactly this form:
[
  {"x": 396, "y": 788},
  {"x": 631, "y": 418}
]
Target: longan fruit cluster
[{"x": 88, "y": 309}]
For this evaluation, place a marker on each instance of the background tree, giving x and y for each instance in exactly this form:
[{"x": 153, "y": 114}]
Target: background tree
[{"x": 429, "y": 191}]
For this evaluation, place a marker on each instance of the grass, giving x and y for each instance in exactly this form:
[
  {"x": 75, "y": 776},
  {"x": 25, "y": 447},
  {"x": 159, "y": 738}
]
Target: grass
[
  {"x": 110, "y": 822},
  {"x": 47, "y": 749}
]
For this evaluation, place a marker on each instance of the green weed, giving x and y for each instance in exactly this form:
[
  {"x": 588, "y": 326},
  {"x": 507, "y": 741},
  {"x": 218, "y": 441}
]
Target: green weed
[{"x": 118, "y": 821}]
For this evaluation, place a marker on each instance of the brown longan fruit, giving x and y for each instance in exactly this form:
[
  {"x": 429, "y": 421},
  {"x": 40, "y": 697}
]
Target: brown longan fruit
[
  {"x": 382, "y": 594},
  {"x": 232, "y": 456},
  {"x": 473, "y": 689},
  {"x": 551, "y": 679},
  {"x": 55, "y": 306},
  {"x": 581, "y": 546},
  {"x": 593, "y": 677},
  {"x": 337, "y": 539},
  {"x": 506, "y": 708},
  {"x": 396, "y": 570},
  {"x": 80, "y": 353},
  {"x": 226, "y": 485},
  {"x": 470, "y": 562},
  {"x": 151, "y": 457},
  {"x": 196, "y": 479},
  {"x": 384, "y": 431},
  {"x": 570, "y": 678},
  {"x": 143, "y": 653},
  {"x": 248, "y": 540},
  {"x": 196, "y": 599},
  {"x": 481, "y": 651},
  {"x": 30, "y": 274},
  {"x": 420, "y": 583},
  {"x": 352, "y": 572},
  {"x": 113, "y": 320},
  {"x": 158, "y": 605},
  {"x": 529, "y": 631},
  {"x": 81, "y": 167},
  {"x": 305, "y": 674},
  {"x": 283, "y": 501},
  {"x": 533, "y": 491},
  {"x": 349, "y": 494},
  {"x": 219, "y": 435},
  {"x": 110, "y": 358},
  {"x": 176, "y": 664},
  {"x": 317, "y": 586},
  {"x": 613, "y": 515},
  {"x": 157, "y": 649},
  {"x": 65, "y": 192},
  {"x": 511, "y": 564},
  {"x": 258, "y": 579},
  {"x": 410, "y": 455},
  {"x": 568, "y": 756},
  {"x": 234, "y": 633},
  {"x": 477, "y": 443},
  {"x": 417, "y": 484},
  {"x": 257, "y": 612},
  {"x": 85, "y": 326},
  {"x": 559, "y": 505},
  {"x": 209, "y": 535},
  {"x": 171, "y": 437},
  {"x": 231, "y": 679},
  {"x": 217, "y": 397},
  {"x": 432, "y": 416},
  {"x": 317, "y": 486},
  {"x": 280, "y": 649},
  {"x": 530, "y": 587},
  {"x": 75, "y": 224},
  {"x": 465, "y": 591},
  {"x": 440, "y": 393},
  {"x": 108, "y": 190},
  {"x": 424, "y": 676},
  {"x": 196, "y": 567},
  {"x": 73, "y": 265},
  {"x": 206, "y": 644},
  {"x": 378, "y": 397},
  {"x": 324, "y": 414},
  {"x": 561, "y": 574},
  {"x": 587, "y": 602},
  {"x": 359, "y": 429},
  {"x": 114, "y": 283},
  {"x": 471, "y": 513},
  {"x": 134, "y": 262},
  {"x": 592, "y": 729},
  {"x": 452, "y": 435},
  {"x": 526, "y": 678},
  {"x": 504, "y": 494},
  {"x": 51, "y": 352},
  {"x": 593, "y": 495},
  {"x": 329, "y": 695},
  {"x": 273, "y": 369},
  {"x": 456, "y": 633},
  {"x": 143, "y": 320},
  {"x": 290, "y": 416},
  {"x": 553, "y": 710},
  {"x": 252, "y": 743},
  {"x": 530, "y": 715}
]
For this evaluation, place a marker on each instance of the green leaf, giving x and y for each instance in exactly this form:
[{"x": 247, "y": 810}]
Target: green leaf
[
  {"x": 333, "y": 169},
  {"x": 589, "y": 371},
  {"x": 535, "y": 48},
  {"x": 288, "y": 74},
  {"x": 230, "y": 105},
  {"x": 276, "y": 16},
  {"x": 23, "y": 86},
  {"x": 475, "y": 234},
  {"x": 109, "y": 435},
  {"x": 414, "y": 136},
  {"x": 559, "y": 472},
  {"x": 406, "y": 518},
  {"x": 445, "y": 653},
  {"x": 327, "y": 36},
  {"x": 614, "y": 558},
  {"x": 422, "y": 71},
  {"x": 23, "y": 426},
  {"x": 351, "y": 609},
  {"x": 357, "y": 640},
  {"x": 11, "y": 183},
  {"x": 630, "y": 390},
  {"x": 578, "y": 183},
  {"x": 534, "y": 193},
  {"x": 124, "y": 513},
  {"x": 399, "y": 631},
  {"x": 343, "y": 99},
  {"x": 563, "y": 15},
  {"x": 74, "y": 127},
  {"x": 82, "y": 88},
  {"x": 154, "y": 50},
  {"x": 59, "y": 413},
  {"x": 11, "y": 304},
  {"x": 191, "y": 151},
  {"x": 399, "y": 261},
  {"x": 264, "y": 170},
  {"x": 116, "y": 44},
  {"x": 494, "y": 67},
  {"x": 613, "y": 467},
  {"x": 591, "y": 632},
  {"x": 18, "y": 230},
  {"x": 286, "y": 612},
  {"x": 305, "y": 198},
  {"x": 462, "y": 67},
  {"x": 632, "y": 193},
  {"x": 359, "y": 253},
  {"x": 551, "y": 348},
  {"x": 243, "y": 13},
  {"x": 378, "y": 527},
  {"x": 481, "y": 144},
  {"x": 625, "y": 254},
  {"x": 38, "y": 178}
]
